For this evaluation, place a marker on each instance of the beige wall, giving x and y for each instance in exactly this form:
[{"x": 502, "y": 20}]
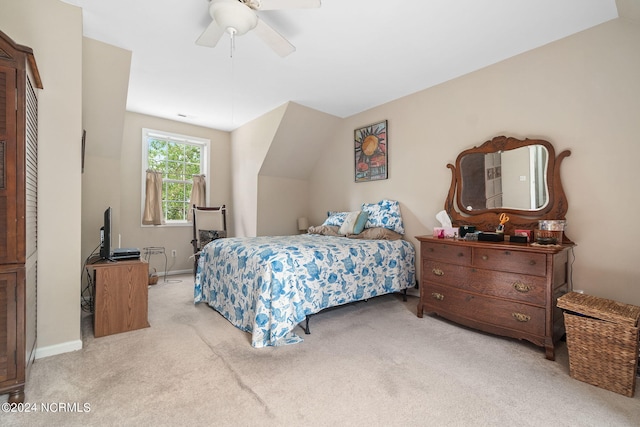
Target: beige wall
[
  {"x": 133, "y": 234},
  {"x": 581, "y": 93},
  {"x": 281, "y": 201},
  {"x": 250, "y": 144},
  {"x": 54, "y": 31},
  {"x": 273, "y": 156},
  {"x": 105, "y": 82}
]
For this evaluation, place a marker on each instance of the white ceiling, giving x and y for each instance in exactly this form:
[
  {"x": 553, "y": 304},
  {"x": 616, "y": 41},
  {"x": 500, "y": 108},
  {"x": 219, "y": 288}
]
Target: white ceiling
[{"x": 351, "y": 55}]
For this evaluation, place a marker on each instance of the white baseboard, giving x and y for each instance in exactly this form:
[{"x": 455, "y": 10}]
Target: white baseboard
[{"x": 52, "y": 350}]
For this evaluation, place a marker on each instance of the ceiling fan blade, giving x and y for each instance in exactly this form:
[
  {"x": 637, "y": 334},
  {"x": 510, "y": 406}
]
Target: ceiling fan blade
[
  {"x": 211, "y": 35},
  {"x": 288, "y": 4},
  {"x": 272, "y": 38}
]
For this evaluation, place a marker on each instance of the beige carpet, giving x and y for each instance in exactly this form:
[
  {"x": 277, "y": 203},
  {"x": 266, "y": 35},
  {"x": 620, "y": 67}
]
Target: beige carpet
[{"x": 373, "y": 363}]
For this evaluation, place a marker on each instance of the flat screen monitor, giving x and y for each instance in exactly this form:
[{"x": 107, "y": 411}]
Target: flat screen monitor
[{"x": 105, "y": 235}]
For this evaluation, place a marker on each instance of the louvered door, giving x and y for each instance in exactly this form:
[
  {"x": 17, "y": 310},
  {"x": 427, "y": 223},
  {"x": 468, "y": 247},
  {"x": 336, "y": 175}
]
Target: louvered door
[{"x": 31, "y": 220}]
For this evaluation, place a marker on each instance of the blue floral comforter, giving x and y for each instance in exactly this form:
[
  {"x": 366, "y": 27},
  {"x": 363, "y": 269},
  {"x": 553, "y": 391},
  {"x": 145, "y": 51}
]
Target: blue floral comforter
[{"x": 267, "y": 285}]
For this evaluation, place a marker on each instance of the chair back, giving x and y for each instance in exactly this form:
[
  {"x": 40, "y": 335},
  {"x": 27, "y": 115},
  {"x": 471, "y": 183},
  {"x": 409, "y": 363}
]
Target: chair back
[{"x": 209, "y": 223}]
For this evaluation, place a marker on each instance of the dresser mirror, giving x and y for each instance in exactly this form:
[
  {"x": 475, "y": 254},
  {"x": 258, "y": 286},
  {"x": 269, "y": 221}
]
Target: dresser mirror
[
  {"x": 520, "y": 178},
  {"x": 514, "y": 179}
]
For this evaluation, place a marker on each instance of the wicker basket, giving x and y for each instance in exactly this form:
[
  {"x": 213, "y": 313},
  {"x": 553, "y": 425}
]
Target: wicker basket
[
  {"x": 602, "y": 339},
  {"x": 153, "y": 277}
]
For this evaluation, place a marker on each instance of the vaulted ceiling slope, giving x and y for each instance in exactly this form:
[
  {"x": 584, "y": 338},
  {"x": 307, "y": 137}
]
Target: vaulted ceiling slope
[
  {"x": 298, "y": 142},
  {"x": 351, "y": 55}
]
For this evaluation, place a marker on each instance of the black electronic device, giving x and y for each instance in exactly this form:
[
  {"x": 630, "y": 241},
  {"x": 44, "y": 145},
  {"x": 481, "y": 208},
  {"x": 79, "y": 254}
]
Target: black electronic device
[
  {"x": 490, "y": 237},
  {"x": 519, "y": 239},
  {"x": 464, "y": 229},
  {"x": 125, "y": 253},
  {"x": 105, "y": 235}
]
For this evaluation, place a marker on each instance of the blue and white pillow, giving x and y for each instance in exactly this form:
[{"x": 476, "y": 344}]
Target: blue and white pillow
[
  {"x": 385, "y": 214},
  {"x": 335, "y": 218}
]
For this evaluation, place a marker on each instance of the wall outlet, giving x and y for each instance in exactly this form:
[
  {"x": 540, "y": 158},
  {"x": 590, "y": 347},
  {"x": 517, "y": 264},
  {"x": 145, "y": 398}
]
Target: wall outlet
[{"x": 174, "y": 253}]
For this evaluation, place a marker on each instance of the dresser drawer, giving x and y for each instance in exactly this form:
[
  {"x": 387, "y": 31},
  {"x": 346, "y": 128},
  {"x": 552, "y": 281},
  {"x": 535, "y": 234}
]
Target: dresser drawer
[
  {"x": 508, "y": 260},
  {"x": 450, "y": 253},
  {"x": 531, "y": 289},
  {"x": 478, "y": 308}
]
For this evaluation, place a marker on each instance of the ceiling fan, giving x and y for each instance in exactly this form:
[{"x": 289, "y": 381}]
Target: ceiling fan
[{"x": 237, "y": 17}]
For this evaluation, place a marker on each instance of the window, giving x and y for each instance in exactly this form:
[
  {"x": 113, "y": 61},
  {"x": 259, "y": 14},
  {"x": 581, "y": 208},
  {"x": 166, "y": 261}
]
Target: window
[{"x": 178, "y": 158}]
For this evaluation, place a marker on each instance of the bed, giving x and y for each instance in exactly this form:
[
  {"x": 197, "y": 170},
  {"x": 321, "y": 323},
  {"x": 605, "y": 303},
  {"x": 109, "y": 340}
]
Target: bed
[{"x": 268, "y": 285}]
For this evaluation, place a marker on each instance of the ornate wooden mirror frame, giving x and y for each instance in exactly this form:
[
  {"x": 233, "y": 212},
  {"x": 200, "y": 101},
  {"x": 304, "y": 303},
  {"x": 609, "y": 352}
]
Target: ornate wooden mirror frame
[{"x": 488, "y": 219}]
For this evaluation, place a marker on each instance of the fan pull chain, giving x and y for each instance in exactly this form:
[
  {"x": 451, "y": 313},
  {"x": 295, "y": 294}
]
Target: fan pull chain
[
  {"x": 232, "y": 33},
  {"x": 233, "y": 84}
]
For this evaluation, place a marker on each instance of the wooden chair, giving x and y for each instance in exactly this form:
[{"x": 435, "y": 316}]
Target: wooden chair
[{"x": 209, "y": 223}]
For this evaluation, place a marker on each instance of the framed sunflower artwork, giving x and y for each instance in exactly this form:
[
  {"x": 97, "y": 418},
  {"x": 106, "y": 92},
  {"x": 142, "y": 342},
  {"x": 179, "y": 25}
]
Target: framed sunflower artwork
[{"x": 370, "y": 147}]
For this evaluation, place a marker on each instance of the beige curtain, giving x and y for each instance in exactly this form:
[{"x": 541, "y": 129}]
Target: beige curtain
[
  {"x": 198, "y": 194},
  {"x": 153, "y": 199}
]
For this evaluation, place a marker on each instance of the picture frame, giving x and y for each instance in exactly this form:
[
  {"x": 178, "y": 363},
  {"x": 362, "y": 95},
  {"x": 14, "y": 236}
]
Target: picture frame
[{"x": 371, "y": 157}]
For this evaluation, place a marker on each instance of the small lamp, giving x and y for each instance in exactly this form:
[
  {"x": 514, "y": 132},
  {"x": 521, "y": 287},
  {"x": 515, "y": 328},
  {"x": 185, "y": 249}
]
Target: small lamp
[{"x": 303, "y": 224}]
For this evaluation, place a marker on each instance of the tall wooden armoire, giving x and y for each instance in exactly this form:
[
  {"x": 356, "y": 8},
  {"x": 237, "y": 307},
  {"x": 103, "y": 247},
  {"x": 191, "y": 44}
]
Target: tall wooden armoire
[{"x": 19, "y": 81}]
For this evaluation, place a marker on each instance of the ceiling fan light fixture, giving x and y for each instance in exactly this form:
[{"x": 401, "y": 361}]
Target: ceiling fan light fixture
[
  {"x": 237, "y": 17},
  {"x": 231, "y": 14}
]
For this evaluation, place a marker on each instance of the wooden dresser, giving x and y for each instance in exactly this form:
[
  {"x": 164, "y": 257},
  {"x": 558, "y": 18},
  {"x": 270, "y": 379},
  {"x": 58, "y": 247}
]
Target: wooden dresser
[{"x": 504, "y": 288}]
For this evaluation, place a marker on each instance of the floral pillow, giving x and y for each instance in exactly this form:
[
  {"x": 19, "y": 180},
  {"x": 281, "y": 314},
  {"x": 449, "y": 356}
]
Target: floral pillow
[
  {"x": 385, "y": 214},
  {"x": 335, "y": 218}
]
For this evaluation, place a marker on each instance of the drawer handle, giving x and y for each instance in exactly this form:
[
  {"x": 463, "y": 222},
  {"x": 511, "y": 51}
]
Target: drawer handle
[
  {"x": 430, "y": 249},
  {"x": 484, "y": 257},
  {"x": 437, "y": 272},
  {"x": 520, "y": 317},
  {"x": 532, "y": 262},
  {"x": 460, "y": 254},
  {"x": 437, "y": 296},
  {"x": 521, "y": 287},
  {"x": 507, "y": 253}
]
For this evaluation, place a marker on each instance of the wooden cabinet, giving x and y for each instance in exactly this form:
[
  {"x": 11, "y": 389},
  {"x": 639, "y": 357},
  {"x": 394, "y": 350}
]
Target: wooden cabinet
[
  {"x": 19, "y": 81},
  {"x": 120, "y": 296},
  {"x": 505, "y": 288}
]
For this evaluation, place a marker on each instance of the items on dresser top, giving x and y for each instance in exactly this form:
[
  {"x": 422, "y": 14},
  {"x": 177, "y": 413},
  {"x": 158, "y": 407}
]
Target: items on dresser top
[
  {"x": 464, "y": 229},
  {"x": 503, "y": 288},
  {"x": 490, "y": 237},
  {"x": 550, "y": 232}
]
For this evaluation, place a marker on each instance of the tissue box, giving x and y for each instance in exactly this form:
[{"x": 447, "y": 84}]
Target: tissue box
[{"x": 445, "y": 232}]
